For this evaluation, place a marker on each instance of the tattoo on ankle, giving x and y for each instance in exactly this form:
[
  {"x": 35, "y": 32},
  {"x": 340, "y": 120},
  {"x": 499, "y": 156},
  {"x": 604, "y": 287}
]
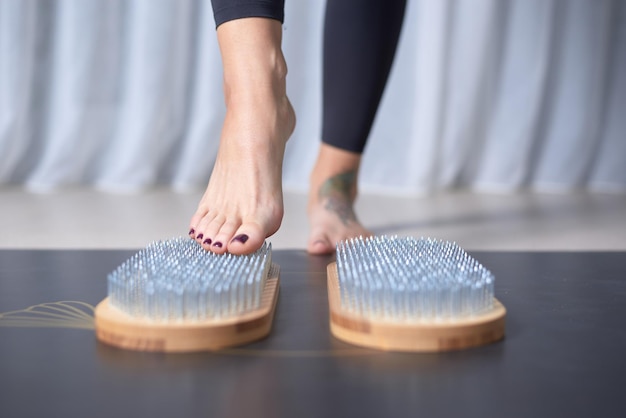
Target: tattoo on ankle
[
  {"x": 342, "y": 209},
  {"x": 337, "y": 191}
]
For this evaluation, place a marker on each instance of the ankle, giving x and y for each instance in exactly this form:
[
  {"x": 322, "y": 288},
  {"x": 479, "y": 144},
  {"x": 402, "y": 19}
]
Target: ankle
[
  {"x": 264, "y": 80},
  {"x": 332, "y": 162},
  {"x": 252, "y": 58},
  {"x": 340, "y": 187}
]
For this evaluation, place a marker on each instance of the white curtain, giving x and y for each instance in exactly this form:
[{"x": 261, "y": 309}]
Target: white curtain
[{"x": 485, "y": 94}]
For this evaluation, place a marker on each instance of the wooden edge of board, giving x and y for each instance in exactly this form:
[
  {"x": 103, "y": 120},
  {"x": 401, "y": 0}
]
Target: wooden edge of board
[
  {"x": 119, "y": 329},
  {"x": 432, "y": 336}
]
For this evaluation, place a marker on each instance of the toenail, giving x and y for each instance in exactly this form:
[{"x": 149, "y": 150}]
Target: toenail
[
  {"x": 217, "y": 244},
  {"x": 207, "y": 241},
  {"x": 242, "y": 238},
  {"x": 191, "y": 231},
  {"x": 200, "y": 235}
]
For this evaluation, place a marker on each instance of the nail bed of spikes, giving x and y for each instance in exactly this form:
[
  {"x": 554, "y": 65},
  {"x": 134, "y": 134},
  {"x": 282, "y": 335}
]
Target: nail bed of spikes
[
  {"x": 411, "y": 280},
  {"x": 177, "y": 280}
]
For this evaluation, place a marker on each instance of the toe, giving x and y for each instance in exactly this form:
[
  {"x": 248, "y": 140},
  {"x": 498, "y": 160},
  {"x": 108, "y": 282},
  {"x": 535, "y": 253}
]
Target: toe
[
  {"x": 320, "y": 245},
  {"x": 195, "y": 222},
  {"x": 200, "y": 232},
  {"x": 217, "y": 247},
  {"x": 246, "y": 239},
  {"x": 224, "y": 236},
  {"x": 210, "y": 233}
]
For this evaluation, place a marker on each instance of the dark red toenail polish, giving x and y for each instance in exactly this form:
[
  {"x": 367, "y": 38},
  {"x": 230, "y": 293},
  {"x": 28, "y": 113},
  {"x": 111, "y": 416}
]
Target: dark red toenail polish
[
  {"x": 207, "y": 241},
  {"x": 200, "y": 235},
  {"x": 217, "y": 244},
  {"x": 191, "y": 231},
  {"x": 242, "y": 238}
]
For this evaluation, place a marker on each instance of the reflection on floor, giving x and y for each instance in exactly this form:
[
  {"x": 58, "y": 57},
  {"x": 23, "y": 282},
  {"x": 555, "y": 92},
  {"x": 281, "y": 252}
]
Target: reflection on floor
[{"x": 84, "y": 218}]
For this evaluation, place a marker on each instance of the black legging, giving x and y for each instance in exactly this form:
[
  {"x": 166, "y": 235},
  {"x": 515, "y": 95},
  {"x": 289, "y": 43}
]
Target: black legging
[{"x": 360, "y": 39}]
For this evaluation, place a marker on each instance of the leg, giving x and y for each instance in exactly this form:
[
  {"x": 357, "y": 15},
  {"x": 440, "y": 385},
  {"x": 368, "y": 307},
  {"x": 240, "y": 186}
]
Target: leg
[
  {"x": 360, "y": 39},
  {"x": 243, "y": 202}
]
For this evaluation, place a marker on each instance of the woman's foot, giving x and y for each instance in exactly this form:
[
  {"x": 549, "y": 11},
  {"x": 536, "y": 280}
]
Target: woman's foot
[
  {"x": 243, "y": 203},
  {"x": 333, "y": 190}
]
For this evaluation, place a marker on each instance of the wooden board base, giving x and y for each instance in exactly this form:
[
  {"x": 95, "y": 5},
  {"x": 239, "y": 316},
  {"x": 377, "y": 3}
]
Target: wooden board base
[
  {"x": 424, "y": 336},
  {"x": 119, "y": 329}
]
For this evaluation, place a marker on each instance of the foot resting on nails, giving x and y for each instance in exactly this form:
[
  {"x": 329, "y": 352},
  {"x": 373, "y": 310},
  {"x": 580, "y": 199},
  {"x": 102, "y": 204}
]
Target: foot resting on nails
[{"x": 243, "y": 202}]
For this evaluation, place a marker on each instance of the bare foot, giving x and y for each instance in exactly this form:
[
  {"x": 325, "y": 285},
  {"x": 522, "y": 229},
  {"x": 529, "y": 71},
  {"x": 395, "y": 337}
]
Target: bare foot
[
  {"x": 331, "y": 200},
  {"x": 243, "y": 203}
]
